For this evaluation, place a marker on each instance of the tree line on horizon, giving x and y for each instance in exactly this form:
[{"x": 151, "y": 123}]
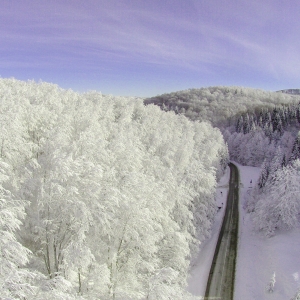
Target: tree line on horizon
[{"x": 220, "y": 105}]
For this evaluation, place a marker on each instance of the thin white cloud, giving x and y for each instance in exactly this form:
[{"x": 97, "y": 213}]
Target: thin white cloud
[{"x": 102, "y": 31}]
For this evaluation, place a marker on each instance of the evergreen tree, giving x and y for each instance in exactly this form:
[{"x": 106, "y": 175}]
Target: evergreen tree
[
  {"x": 252, "y": 124},
  {"x": 239, "y": 124},
  {"x": 298, "y": 112},
  {"x": 279, "y": 206},
  {"x": 283, "y": 116},
  {"x": 277, "y": 122},
  {"x": 267, "y": 118},
  {"x": 262, "y": 118},
  {"x": 284, "y": 161},
  {"x": 276, "y": 162},
  {"x": 296, "y": 296},
  {"x": 260, "y": 121},
  {"x": 268, "y": 129},
  {"x": 246, "y": 125},
  {"x": 271, "y": 284},
  {"x": 290, "y": 114},
  {"x": 296, "y": 149},
  {"x": 264, "y": 174}
]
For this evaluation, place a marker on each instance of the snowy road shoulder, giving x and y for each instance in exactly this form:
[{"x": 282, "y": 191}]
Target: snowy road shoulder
[{"x": 201, "y": 265}]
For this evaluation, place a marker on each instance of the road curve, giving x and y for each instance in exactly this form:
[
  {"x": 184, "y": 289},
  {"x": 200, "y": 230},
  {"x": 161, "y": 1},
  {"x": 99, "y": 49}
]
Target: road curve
[{"x": 220, "y": 284}]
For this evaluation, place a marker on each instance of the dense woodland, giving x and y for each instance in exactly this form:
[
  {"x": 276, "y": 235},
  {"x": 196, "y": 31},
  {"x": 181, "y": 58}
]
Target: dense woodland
[
  {"x": 261, "y": 129},
  {"x": 101, "y": 197},
  {"x": 220, "y": 105},
  {"x": 270, "y": 139},
  {"x": 273, "y": 142}
]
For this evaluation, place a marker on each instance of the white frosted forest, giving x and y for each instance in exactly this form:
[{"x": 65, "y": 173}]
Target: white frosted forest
[
  {"x": 101, "y": 196},
  {"x": 105, "y": 197},
  {"x": 261, "y": 130}
]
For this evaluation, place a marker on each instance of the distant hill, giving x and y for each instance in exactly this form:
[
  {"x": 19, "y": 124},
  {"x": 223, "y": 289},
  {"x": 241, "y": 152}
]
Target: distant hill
[
  {"x": 290, "y": 91},
  {"x": 221, "y": 105}
]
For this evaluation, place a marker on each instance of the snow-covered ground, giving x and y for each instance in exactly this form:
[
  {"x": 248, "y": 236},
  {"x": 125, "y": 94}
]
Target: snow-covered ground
[
  {"x": 201, "y": 266},
  {"x": 258, "y": 257}
]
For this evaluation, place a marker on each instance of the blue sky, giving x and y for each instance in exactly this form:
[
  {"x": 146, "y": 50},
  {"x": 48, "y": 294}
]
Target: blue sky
[{"x": 149, "y": 47}]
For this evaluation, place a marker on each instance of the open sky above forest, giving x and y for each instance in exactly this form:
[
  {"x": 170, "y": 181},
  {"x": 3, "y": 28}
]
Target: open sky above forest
[{"x": 148, "y": 47}]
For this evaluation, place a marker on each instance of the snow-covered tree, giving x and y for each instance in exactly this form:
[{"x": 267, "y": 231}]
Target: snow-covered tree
[
  {"x": 239, "y": 124},
  {"x": 118, "y": 195},
  {"x": 279, "y": 205},
  {"x": 276, "y": 161},
  {"x": 296, "y": 296},
  {"x": 271, "y": 285},
  {"x": 296, "y": 148},
  {"x": 16, "y": 282},
  {"x": 264, "y": 174}
]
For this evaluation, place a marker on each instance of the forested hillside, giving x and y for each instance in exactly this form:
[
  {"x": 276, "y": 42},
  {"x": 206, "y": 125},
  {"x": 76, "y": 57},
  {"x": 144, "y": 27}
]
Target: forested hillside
[
  {"x": 271, "y": 140},
  {"x": 101, "y": 197},
  {"x": 261, "y": 129},
  {"x": 220, "y": 105},
  {"x": 291, "y": 91}
]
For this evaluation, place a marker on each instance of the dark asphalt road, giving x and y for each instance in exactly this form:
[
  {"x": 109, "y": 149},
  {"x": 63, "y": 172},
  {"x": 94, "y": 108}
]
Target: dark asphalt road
[{"x": 220, "y": 284}]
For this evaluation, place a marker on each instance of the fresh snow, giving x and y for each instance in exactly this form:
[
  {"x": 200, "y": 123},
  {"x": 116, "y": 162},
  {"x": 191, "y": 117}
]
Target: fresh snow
[
  {"x": 258, "y": 256},
  {"x": 201, "y": 265}
]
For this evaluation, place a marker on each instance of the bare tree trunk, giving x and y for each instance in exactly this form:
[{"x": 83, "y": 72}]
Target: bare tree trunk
[
  {"x": 79, "y": 282},
  {"x": 55, "y": 256},
  {"x": 2, "y": 147},
  {"x": 47, "y": 259}
]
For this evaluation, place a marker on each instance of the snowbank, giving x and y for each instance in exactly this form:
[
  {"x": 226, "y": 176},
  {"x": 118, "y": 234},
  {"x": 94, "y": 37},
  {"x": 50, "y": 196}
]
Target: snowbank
[
  {"x": 259, "y": 257},
  {"x": 201, "y": 266}
]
